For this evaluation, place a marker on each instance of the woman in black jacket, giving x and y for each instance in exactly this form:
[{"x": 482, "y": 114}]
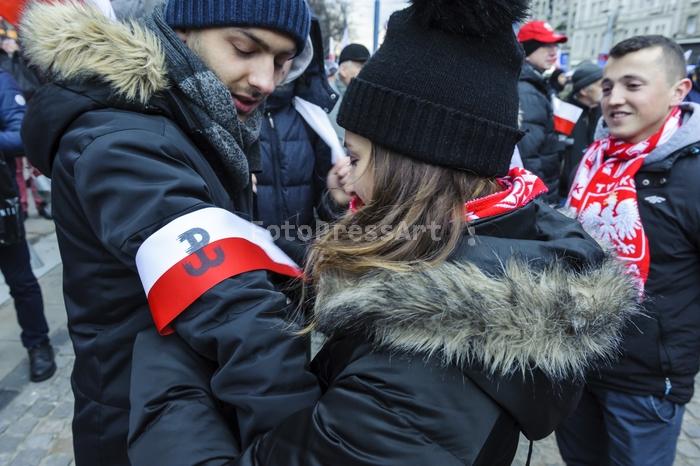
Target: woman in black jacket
[{"x": 459, "y": 310}]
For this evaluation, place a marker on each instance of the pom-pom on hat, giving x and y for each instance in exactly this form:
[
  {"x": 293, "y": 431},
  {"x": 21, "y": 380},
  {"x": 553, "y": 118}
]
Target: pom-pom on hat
[
  {"x": 291, "y": 17},
  {"x": 443, "y": 87}
]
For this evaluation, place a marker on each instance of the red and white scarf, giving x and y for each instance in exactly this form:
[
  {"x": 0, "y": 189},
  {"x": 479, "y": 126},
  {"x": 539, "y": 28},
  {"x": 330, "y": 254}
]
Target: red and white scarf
[
  {"x": 520, "y": 187},
  {"x": 604, "y": 195}
]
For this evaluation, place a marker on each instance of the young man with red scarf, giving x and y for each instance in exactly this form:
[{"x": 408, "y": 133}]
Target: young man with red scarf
[{"x": 636, "y": 192}]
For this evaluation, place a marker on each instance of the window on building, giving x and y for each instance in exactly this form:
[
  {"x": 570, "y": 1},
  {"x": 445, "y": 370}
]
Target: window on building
[{"x": 691, "y": 26}]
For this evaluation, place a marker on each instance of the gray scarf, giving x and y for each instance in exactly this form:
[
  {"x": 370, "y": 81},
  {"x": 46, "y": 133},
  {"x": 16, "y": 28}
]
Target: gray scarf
[{"x": 211, "y": 104}]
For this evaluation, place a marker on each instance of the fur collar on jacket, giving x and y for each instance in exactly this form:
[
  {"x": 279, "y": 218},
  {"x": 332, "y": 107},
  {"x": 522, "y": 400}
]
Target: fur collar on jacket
[{"x": 556, "y": 320}]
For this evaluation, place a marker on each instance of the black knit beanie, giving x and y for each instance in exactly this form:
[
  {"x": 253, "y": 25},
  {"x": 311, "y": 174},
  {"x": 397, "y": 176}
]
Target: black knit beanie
[
  {"x": 291, "y": 17},
  {"x": 443, "y": 87}
]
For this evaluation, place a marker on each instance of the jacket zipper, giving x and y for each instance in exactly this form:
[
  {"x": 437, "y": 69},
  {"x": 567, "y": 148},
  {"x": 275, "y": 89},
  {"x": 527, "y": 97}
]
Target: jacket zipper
[
  {"x": 668, "y": 385},
  {"x": 276, "y": 156}
]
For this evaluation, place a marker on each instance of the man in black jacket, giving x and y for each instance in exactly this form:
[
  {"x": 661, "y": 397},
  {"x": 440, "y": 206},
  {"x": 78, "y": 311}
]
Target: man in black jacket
[
  {"x": 637, "y": 192},
  {"x": 150, "y": 133},
  {"x": 540, "y": 148},
  {"x": 586, "y": 94}
]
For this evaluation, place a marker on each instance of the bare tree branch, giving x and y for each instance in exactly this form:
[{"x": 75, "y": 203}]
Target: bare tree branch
[{"x": 333, "y": 18}]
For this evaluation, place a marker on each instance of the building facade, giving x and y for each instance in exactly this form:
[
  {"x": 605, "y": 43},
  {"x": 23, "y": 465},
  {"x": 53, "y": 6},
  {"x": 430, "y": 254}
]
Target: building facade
[{"x": 593, "y": 26}]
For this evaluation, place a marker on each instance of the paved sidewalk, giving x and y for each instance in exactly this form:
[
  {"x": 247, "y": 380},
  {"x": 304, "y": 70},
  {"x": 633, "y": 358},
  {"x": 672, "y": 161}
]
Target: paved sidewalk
[{"x": 35, "y": 427}]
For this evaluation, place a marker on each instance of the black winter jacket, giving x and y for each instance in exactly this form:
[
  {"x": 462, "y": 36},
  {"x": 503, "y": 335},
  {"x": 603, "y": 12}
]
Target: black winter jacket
[
  {"x": 445, "y": 366},
  {"x": 540, "y": 147},
  {"x": 122, "y": 169},
  {"x": 662, "y": 349},
  {"x": 582, "y": 137}
]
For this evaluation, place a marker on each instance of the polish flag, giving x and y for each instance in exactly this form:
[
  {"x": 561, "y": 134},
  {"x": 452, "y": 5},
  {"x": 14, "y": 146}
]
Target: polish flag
[
  {"x": 193, "y": 253},
  {"x": 565, "y": 116},
  {"x": 10, "y": 10}
]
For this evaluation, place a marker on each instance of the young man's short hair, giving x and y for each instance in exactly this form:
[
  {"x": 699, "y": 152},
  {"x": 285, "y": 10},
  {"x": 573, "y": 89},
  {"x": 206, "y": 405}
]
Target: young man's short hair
[{"x": 671, "y": 53}]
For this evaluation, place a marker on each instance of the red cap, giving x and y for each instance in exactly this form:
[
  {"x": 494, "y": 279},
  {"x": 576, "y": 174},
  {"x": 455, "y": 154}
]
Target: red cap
[{"x": 540, "y": 31}]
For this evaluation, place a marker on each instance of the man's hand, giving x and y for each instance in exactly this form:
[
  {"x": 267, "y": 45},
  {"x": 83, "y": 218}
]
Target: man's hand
[
  {"x": 338, "y": 182},
  {"x": 10, "y": 46}
]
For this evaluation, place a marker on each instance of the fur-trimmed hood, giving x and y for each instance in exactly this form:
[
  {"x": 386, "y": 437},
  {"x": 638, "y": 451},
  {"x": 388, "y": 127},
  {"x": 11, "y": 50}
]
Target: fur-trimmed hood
[
  {"x": 72, "y": 40},
  {"x": 554, "y": 318}
]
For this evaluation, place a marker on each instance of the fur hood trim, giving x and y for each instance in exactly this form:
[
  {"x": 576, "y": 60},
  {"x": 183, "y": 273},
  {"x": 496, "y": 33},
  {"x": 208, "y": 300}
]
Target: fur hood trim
[
  {"x": 558, "y": 321},
  {"x": 72, "y": 40}
]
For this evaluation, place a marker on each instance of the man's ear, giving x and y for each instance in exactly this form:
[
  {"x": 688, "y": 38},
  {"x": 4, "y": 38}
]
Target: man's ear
[{"x": 680, "y": 90}]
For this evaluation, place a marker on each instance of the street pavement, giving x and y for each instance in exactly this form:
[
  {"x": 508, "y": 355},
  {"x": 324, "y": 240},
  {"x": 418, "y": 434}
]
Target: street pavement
[{"x": 35, "y": 419}]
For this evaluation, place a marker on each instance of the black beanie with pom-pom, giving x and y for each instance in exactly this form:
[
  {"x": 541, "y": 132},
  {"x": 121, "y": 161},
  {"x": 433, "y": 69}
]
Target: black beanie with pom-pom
[{"x": 443, "y": 87}]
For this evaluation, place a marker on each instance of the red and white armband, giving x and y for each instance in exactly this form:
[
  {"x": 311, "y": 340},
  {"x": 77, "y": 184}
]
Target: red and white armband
[{"x": 193, "y": 253}]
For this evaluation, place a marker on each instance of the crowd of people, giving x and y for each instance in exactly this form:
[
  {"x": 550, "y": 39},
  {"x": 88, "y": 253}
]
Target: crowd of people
[{"x": 222, "y": 192}]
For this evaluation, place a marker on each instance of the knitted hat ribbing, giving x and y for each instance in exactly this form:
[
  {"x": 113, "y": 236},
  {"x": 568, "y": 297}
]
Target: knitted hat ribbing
[
  {"x": 291, "y": 17},
  {"x": 444, "y": 94},
  {"x": 585, "y": 75}
]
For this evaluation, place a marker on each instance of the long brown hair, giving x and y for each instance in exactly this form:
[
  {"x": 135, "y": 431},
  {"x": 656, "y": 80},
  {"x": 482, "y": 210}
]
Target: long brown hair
[{"x": 415, "y": 218}]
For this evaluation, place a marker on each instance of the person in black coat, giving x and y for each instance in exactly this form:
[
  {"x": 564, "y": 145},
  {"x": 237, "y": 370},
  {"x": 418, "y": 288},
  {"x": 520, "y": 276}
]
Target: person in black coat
[
  {"x": 586, "y": 94},
  {"x": 150, "y": 140},
  {"x": 637, "y": 192},
  {"x": 540, "y": 147},
  {"x": 459, "y": 310}
]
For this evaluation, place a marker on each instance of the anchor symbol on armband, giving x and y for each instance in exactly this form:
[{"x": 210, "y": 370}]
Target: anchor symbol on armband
[{"x": 197, "y": 238}]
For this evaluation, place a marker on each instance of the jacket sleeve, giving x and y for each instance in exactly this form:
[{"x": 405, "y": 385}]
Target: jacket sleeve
[
  {"x": 12, "y": 108},
  {"x": 174, "y": 418},
  {"x": 130, "y": 185},
  {"x": 533, "y": 123}
]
